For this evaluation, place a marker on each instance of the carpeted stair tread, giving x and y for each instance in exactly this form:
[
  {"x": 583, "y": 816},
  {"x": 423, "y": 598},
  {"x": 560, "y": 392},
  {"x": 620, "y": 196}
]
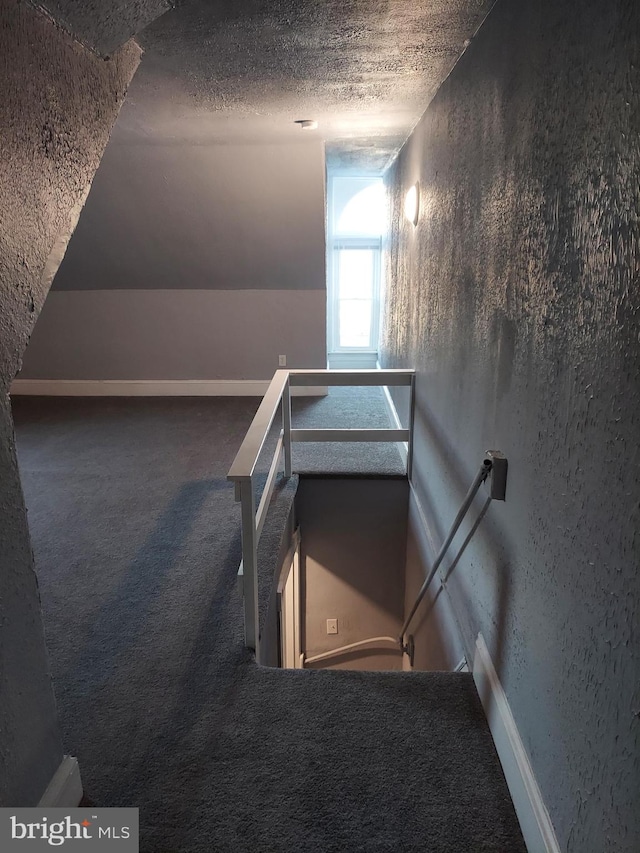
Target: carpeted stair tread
[{"x": 353, "y": 760}]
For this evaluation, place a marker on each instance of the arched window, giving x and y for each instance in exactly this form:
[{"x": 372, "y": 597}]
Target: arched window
[{"x": 356, "y": 224}]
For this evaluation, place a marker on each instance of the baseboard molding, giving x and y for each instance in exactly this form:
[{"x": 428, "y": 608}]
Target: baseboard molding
[
  {"x": 537, "y": 829},
  {"x": 65, "y": 788},
  {"x": 153, "y": 388}
]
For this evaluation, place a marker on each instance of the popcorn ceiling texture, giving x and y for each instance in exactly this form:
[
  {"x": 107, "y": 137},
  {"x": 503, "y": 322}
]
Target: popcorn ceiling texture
[
  {"x": 104, "y": 25},
  {"x": 228, "y": 72},
  {"x": 58, "y": 103},
  {"x": 517, "y": 299}
]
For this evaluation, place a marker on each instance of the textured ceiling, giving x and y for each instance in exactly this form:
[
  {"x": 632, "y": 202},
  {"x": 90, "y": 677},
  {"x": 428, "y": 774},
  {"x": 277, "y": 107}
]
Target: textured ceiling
[
  {"x": 104, "y": 25},
  {"x": 231, "y": 71}
]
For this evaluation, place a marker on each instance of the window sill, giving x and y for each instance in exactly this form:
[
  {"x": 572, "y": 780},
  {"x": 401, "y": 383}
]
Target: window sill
[{"x": 353, "y": 360}]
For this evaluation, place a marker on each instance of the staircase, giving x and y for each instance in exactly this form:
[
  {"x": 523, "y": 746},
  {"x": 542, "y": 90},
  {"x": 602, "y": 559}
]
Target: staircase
[
  {"x": 345, "y": 760},
  {"x": 360, "y": 761}
]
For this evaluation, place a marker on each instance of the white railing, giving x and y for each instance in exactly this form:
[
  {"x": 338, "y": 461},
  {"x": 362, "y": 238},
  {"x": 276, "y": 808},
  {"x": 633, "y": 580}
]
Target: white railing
[{"x": 243, "y": 469}]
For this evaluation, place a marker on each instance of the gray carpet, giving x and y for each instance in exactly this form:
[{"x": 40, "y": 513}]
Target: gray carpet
[
  {"x": 345, "y": 408},
  {"x": 137, "y": 543}
]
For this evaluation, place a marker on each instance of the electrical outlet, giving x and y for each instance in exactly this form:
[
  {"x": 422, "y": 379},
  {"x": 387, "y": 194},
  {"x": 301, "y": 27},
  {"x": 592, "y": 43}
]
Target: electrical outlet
[
  {"x": 282, "y": 361},
  {"x": 332, "y": 626}
]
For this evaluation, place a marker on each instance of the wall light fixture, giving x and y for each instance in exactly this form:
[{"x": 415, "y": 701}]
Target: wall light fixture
[{"x": 412, "y": 203}]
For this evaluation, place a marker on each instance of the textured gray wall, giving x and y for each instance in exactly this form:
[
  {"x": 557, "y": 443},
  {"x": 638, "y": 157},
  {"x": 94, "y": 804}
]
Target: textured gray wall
[
  {"x": 353, "y": 534},
  {"x": 517, "y": 300},
  {"x": 57, "y": 105}
]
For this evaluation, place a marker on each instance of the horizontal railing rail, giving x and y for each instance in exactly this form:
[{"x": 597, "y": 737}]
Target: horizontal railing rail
[{"x": 243, "y": 470}]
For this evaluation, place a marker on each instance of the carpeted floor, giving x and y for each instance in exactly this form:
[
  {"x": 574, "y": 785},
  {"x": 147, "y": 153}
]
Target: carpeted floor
[{"x": 137, "y": 543}]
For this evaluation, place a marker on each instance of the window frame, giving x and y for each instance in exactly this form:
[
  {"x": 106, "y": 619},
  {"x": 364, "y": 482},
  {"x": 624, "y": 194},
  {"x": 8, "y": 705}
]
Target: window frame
[
  {"x": 335, "y": 244},
  {"x": 374, "y": 245}
]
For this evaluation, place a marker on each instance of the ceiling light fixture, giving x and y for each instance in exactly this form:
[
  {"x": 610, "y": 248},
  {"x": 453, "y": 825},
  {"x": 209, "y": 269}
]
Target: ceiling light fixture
[
  {"x": 307, "y": 124},
  {"x": 412, "y": 203}
]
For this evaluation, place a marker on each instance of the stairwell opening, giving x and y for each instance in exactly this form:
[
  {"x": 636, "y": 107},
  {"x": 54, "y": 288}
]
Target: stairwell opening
[
  {"x": 351, "y": 562},
  {"x": 352, "y": 555},
  {"x": 359, "y": 585},
  {"x": 411, "y": 618}
]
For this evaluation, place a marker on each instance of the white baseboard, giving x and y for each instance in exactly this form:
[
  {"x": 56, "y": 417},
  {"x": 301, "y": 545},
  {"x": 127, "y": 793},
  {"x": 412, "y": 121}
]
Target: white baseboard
[
  {"x": 536, "y": 826},
  {"x": 65, "y": 788},
  {"x": 153, "y": 388}
]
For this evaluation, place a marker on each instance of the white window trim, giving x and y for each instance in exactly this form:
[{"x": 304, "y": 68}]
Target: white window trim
[
  {"x": 366, "y": 243},
  {"x": 374, "y": 243}
]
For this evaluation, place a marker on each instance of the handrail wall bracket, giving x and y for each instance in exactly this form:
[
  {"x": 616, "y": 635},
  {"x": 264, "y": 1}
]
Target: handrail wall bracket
[{"x": 497, "y": 481}]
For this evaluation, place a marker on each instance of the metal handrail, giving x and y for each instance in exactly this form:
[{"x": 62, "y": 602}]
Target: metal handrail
[
  {"x": 478, "y": 480},
  {"x": 494, "y": 465},
  {"x": 243, "y": 469}
]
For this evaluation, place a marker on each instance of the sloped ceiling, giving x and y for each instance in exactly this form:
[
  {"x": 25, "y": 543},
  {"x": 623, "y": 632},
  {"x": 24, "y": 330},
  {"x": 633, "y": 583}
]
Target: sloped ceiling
[
  {"x": 225, "y": 71},
  {"x": 104, "y": 25}
]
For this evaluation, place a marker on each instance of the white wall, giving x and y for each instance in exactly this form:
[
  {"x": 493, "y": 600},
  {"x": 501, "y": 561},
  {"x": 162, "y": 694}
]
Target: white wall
[{"x": 175, "y": 334}]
